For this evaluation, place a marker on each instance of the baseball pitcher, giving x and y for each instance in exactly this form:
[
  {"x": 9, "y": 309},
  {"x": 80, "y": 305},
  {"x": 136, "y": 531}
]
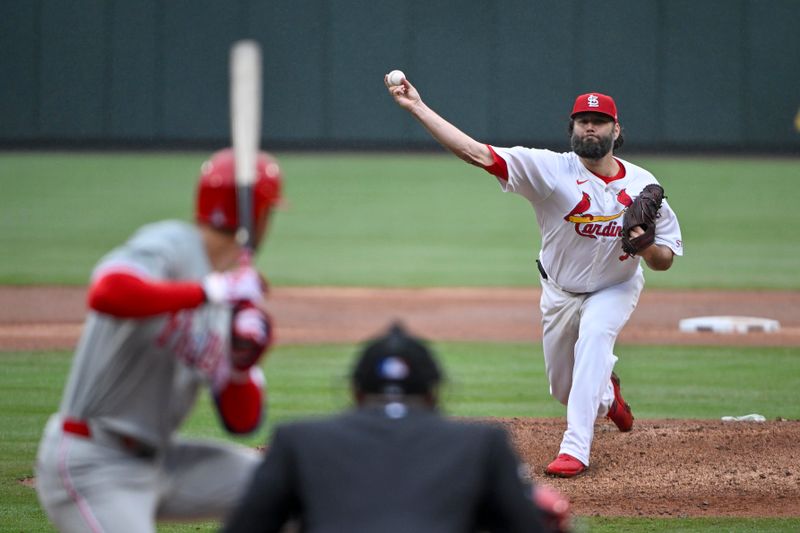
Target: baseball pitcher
[
  {"x": 598, "y": 216},
  {"x": 177, "y": 307}
]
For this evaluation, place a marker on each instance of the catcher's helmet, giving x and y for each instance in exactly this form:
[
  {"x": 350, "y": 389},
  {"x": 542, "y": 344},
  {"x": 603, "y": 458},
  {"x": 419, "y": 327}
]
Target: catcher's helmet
[{"x": 216, "y": 192}]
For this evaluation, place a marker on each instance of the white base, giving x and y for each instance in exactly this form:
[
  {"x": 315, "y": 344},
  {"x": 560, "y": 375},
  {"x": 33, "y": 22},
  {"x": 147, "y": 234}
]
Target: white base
[
  {"x": 728, "y": 324},
  {"x": 755, "y": 417}
]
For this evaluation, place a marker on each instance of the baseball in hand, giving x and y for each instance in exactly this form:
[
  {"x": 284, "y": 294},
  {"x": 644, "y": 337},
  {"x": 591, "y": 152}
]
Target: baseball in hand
[{"x": 396, "y": 77}]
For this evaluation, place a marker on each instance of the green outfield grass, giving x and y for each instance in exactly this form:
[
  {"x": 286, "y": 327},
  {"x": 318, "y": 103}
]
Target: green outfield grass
[
  {"x": 388, "y": 220},
  {"x": 405, "y": 220},
  {"x": 483, "y": 380}
]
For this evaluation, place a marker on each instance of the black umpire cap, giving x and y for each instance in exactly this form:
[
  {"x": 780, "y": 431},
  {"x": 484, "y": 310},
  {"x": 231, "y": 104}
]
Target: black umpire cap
[{"x": 396, "y": 363}]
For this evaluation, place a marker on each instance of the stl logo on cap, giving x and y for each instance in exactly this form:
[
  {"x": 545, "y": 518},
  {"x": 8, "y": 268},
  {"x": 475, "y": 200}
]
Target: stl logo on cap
[
  {"x": 393, "y": 368},
  {"x": 595, "y": 103}
]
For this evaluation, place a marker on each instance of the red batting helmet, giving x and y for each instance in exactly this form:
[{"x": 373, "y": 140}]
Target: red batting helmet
[{"x": 216, "y": 190}]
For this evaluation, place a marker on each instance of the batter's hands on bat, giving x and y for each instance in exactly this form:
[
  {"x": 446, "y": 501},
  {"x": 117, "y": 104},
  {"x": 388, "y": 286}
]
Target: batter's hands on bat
[
  {"x": 404, "y": 94},
  {"x": 251, "y": 334},
  {"x": 244, "y": 283}
]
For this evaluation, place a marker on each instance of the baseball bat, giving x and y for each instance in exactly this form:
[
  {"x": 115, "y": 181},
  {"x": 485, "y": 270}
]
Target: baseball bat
[{"x": 245, "y": 96}]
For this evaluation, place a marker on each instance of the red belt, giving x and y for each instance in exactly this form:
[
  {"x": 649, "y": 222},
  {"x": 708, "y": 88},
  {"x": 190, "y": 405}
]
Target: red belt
[
  {"x": 81, "y": 428},
  {"x": 76, "y": 427}
]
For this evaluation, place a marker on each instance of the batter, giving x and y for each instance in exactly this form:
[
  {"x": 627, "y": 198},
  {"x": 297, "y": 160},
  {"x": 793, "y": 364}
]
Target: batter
[
  {"x": 177, "y": 307},
  {"x": 590, "y": 286}
]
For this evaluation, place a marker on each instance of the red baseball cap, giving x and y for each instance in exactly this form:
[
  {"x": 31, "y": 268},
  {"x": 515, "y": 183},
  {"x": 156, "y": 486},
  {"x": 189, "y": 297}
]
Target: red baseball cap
[{"x": 595, "y": 103}]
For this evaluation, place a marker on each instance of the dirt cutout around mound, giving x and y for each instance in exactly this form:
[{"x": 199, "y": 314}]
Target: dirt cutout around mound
[
  {"x": 663, "y": 468},
  {"x": 674, "y": 468}
]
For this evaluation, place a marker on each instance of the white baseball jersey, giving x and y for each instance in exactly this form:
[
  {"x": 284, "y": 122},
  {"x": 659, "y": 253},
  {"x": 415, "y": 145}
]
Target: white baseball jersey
[
  {"x": 592, "y": 285},
  {"x": 580, "y": 216}
]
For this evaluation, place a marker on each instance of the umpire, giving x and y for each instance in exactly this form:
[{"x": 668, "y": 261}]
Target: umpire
[{"x": 392, "y": 464}]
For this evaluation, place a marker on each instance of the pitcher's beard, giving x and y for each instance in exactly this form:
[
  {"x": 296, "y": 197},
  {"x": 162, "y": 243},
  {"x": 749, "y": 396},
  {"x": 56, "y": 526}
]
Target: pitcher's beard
[{"x": 591, "y": 148}]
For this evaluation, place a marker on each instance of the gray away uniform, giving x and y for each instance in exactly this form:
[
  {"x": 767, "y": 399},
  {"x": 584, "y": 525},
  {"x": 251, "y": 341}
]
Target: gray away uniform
[{"x": 132, "y": 383}]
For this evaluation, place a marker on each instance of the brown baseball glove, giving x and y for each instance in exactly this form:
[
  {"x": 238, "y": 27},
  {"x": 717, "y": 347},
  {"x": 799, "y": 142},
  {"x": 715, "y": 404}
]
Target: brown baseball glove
[{"x": 642, "y": 212}]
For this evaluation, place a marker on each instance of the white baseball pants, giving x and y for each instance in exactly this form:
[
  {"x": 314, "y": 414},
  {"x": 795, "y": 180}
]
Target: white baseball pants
[{"x": 579, "y": 332}]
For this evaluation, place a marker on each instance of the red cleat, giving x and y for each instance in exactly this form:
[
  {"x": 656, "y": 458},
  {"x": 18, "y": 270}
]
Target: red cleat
[
  {"x": 619, "y": 412},
  {"x": 565, "y": 466}
]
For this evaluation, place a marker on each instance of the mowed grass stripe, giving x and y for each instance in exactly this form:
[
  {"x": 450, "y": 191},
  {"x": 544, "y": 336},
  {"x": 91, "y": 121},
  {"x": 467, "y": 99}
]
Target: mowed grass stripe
[{"x": 387, "y": 220}]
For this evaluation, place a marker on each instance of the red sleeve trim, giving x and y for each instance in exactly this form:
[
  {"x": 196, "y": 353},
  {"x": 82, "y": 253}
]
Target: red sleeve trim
[
  {"x": 240, "y": 404},
  {"x": 125, "y": 295},
  {"x": 499, "y": 167}
]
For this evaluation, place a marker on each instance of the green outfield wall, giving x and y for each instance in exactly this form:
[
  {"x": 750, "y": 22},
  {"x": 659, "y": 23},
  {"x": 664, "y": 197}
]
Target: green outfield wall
[{"x": 702, "y": 74}]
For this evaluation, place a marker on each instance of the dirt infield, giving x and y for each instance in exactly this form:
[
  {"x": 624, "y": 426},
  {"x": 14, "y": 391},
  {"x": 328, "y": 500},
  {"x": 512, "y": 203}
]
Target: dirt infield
[
  {"x": 668, "y": 468},
  {"x": 50, "y": 317}
]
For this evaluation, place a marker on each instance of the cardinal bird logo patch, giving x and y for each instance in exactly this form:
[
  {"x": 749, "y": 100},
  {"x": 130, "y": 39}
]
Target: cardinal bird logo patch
[{"x": 593, "y": 226}]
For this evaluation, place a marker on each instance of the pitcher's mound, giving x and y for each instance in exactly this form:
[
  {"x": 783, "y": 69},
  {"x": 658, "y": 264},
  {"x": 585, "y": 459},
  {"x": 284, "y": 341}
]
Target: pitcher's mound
[{"x": 674, "y": 468}]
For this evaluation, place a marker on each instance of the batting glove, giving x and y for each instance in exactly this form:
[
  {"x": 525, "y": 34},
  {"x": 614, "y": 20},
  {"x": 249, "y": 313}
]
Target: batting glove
[
  {"x": 243, "y": 283},
  {"x": 251, "y": 335}
]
